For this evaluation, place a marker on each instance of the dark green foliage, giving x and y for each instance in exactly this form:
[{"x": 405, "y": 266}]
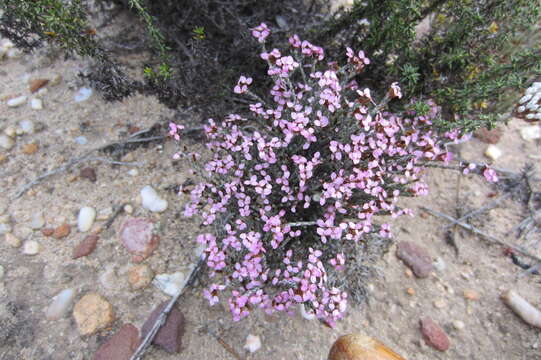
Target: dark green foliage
[
  {"x": 62, "y": 23},
  {"x": 475, "y": 53}
]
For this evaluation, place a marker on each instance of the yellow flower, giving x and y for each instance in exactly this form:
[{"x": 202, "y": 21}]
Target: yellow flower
[{"x": 493, "y": 28}]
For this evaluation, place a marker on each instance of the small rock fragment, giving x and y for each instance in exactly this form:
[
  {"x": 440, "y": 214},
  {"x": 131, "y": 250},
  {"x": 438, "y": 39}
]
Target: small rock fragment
[
  {"x": 30, "y": 149},
  {"x": 108, "y": 278},
  {"x": 253, "y": 343},
  {"x": 27, "y": 127},
  {"x": 440, "y": 303},
  {"x": 2, "y": 272},
  {"x": 458, "y": 325},
  {"x": 489, "y": 136},
  {"x": 170, "y": 335},
  {"x": 57, "y": 78},
  {"x": 36, "y": 104},
  {"x": 31, "y": 247},
  {"x": 92, "y": 313},
  {"x": 83, "y": 94},
  {"x": 47, "y": 232},
  {"x": 86, "y": 217},
  {"x": 410, "y": 291},
  {"x": 133, "y": 172},
  {"x": 170, "y": 284},
  {"x": 62, "y": 231},
  {"x": 36, "y": 84},
  {"x": 60, "y": 304},
  {"x": 128, "y": 209},
  {"x": 89, "y": 173},
  {"x": 152, "y": 201},
  {"x": 10, "y": 131},
  {"x": 37, "y": 222},
  {"x": 439, "y": 264},
  {"x": 6, "y": 142},
  {"x": 85, "y": 247},
  {"x": 471, "y": 295},
  {"x": 140, "y": 276},
  {"x": 12, "y": 240},
  {"x": 137, "y": 236},
  {"x": 434, "y": 335},
  {"x": 531, "y": 133},
  {"x": 81, "y": 140},
  {"x": 120, "y": 346},
  {"x": 18, "y": 101},
  {"x": 415, "y": 257},
  {"x": 526, "y": 311},
  {"x": 493, "y": 152}
]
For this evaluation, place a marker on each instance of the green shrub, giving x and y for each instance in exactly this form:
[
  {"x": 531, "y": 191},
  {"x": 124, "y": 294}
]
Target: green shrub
[{"x": 474, "y": 57}]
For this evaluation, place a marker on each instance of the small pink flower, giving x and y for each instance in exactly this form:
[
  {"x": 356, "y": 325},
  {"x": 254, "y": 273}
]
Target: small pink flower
[
  {"x": 242, "y": 84},
  {"x": 261, "y": 32},
  {"x": 490, "y": 175},
  {"x": 174, "y": 129}
]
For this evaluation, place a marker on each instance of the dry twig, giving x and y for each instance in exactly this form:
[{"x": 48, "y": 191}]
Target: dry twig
[{"x": 486, "y": 236}]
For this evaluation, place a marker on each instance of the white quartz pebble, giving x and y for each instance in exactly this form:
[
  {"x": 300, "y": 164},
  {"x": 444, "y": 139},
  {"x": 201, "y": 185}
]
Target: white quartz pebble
[
  {"x": 152, "y": 201},
  {"x": 86, "y": 217},
  {"x": 18, "y": 101},
  {"x": 60, "y": 304}
]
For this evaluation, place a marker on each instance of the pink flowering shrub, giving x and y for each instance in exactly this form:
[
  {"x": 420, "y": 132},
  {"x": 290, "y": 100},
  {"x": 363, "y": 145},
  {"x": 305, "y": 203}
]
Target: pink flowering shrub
[{"x": 295, "y": 180}]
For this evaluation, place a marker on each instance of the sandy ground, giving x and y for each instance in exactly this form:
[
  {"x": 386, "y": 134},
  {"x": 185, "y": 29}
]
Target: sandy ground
[{"x": 491, "y": 330}]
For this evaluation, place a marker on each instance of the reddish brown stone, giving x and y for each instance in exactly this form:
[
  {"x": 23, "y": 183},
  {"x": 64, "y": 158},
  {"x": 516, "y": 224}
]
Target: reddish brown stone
[
  {"x": 62, "y": 231},
  {"x": 434, "y": 335},
  {"x": 137, "y": 236},
  {"x": 86, "y": 246},
  {"x": 37, "y": 84},
  {"x": 47, "y": 231},
  {"x": 170, "y": 334},
  {"x": 489, "y": 136},
  {"x": 415, "y": 257},
  {"x": 120, "y": 346},
  {"x": 89, "y": 173}
]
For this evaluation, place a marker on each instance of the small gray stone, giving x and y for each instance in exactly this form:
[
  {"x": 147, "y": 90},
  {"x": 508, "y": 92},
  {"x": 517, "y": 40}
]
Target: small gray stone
[
  {"x": 37, "y": 221},
  {"x": 415, "y": 257},
  {"x": 31, "y": 247},
  {"x": 27, "y": 127},
  {"x": 18, "y": 101},
  {"x": 60, "y": 304},
  {"x": 6, "y": 142}
]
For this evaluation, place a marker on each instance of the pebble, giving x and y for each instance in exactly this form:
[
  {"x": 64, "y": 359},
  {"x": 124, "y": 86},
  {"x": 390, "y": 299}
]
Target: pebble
[
  {"x": 82, "y": 94},
  {"x": 253, "y": 343},
  {"x": 2, "y": 272},
  {"x": 458, "y": 325},
  {"x": 85, "y": 247},
  {"x": 36, "y": 84},
  {"x": 5, "y": 228},
  {"x": 36, "y": 104},
  {"x": 27, "y": 127},
  {"x": 92, "y": 313},
  {"x": 30, "y": 149},
  {"x": 18, "y": 101},
  {"x": 415, "y": 257},
  {"x": 493, "y": 152},
  {"x": 410, "y": 291},
  {"x": 57, "y": 78},
  {"x": 439, "y": 264},
  {"x": 12, "y": 240},
  {"x": 169, "y": 337},
  {"x": 90, "y": 174},
  {"x": 140, "y": 276},
  {"x": 10, "y": 131},
  {"x": 440, "y": 303},
  {"x": 472, "y": 295},
  {"x": 531, "y": 133},
  {"x": 128, "y": 209},
  {"x": 434, "y": 335},
  {"x": 31, "y": 247},
  {"x": 170, "y": 284},
  {"x": 151, "y": 200},
  {"x": 120, "y": 346},
  {"x": 62, "y": 231},
  {"x": 133, "y": 172},
  {"x": 37, "y": 222},
  {"x": 6, "y": 142},
  {"x": 47, "y": 232},
  {"x": 81, "y": 140},
  {"x": 137, "y": 236},
  {"x": 105, "y": 213},
  {"x": 42, "y": 92},
  {"x": 86, "y": 217},
  {"x": 60, "y": 304},
  {"x": 108, "y": 278}
]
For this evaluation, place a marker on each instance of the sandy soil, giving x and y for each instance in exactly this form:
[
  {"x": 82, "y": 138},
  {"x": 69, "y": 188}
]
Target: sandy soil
[{"x": 491, "y": 330}]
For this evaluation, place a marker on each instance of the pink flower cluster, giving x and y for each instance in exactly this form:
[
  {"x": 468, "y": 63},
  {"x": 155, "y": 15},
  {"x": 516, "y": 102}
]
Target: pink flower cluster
[{"x": 315, "y": 163}]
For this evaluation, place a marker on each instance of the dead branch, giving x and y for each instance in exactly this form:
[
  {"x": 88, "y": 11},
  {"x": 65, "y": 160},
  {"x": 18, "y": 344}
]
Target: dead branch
[
  {"x": 481, "y": 210},
  {"x": 484, "y": 235}
]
